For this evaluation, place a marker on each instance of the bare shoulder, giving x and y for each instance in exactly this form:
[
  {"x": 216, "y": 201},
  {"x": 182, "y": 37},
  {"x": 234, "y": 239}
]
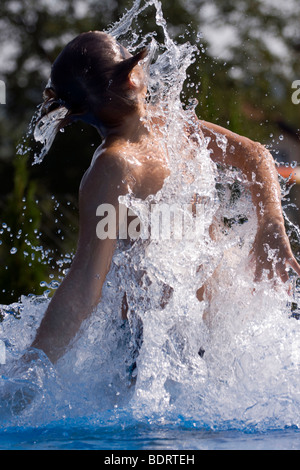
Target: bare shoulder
[
  {"x": 239, "y": 148},
  {"x": 105, "y": 179},
  {"x": 105, "y": 164},
  {"x": 213, "y": 131}
]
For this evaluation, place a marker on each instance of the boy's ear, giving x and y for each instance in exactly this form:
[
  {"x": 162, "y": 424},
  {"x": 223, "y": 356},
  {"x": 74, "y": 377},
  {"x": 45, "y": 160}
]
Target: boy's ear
[
  {"x": 134, "y": 78},
  {"x": 125, "y": 68}
]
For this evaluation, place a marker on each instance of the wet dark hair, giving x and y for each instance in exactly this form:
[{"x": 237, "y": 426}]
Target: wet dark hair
[{"x": 91, "y": 69}]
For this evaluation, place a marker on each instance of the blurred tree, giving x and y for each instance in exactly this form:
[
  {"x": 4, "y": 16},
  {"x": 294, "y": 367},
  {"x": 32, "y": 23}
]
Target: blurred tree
[
  {"x": 20, "y": 233},
  {"x": 257, "y": 43},
  {"x": 249, "y": 56}
]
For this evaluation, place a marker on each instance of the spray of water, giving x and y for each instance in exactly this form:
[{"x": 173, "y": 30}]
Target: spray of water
[
  {"x": 240, "y": 365},
  {"x": 45, "y": 131}
]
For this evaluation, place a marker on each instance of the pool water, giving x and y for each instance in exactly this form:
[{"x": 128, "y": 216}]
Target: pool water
[
  {"x": 137, "y": 436},
  {"x": 242, "y": 393}
]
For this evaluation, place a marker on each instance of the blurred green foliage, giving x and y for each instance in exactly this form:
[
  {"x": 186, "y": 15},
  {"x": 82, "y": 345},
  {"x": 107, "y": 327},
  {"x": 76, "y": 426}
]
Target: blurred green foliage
[{"x": 248, "y": 58}]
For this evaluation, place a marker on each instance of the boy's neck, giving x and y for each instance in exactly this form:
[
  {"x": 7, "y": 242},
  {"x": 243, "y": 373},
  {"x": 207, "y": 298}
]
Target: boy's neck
[{"x": 130, "y": 128}]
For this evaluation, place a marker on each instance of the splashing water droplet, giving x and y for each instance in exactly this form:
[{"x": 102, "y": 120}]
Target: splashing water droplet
[{"x": 46, "y": 130}]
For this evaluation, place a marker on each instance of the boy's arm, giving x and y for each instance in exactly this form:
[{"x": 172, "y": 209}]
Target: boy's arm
[
  {"x": 258, "y": 165},
  {"x": 80, "y": 291}
]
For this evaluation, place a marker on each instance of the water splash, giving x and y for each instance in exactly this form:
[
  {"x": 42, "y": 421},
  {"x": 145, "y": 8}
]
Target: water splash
[
  {"x": 240, "y": 367},
  {"x": 45, "y": 131}
]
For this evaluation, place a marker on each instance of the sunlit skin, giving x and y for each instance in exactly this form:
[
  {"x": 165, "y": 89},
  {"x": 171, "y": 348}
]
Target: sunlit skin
[{"x": 130, "y": 157}]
